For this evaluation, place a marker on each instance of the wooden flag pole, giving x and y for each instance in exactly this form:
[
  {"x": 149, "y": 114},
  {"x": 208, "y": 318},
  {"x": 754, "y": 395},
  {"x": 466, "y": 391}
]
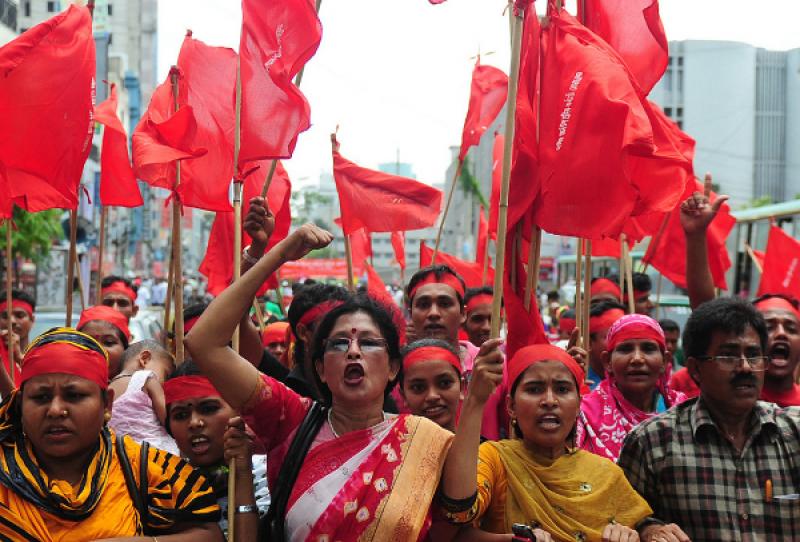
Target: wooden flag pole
[
  {"x": 9, "y": 300},
  {"x": 446, "y": 209},
  {"x": 752, "y": 255},
  {"x": 81, "y": 291},
  {"x": 622, "y": 243},
  {"x": 259, "y": 315},
  {"x": 534, "y": 259},
  {"x": 177, "y": 249},
  {"x": 73, "y": 234},
  {"x": 98, "y": 298},
  {"x": 485, "y": 271},
  {"x": 168, "y": 295},
  {"x": 348, "y": 254},
  {"x": 626, "y": 255},
  {"x": 579, "y": 312},
  {"x": 502, "y": 217},
  {"x": 279, "y": 291},
  {"x": 658, "y": 295},
  {"x": 587, "y": 288}
]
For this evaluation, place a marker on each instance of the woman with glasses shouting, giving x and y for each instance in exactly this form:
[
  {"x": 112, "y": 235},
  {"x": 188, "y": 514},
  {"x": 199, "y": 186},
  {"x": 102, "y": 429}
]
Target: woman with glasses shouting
[{"x": 342, "y": 468}]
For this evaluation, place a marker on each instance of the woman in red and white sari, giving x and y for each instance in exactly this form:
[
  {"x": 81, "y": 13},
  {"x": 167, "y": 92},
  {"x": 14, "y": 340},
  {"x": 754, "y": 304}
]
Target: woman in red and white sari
[{"x": 366, "y": 474}]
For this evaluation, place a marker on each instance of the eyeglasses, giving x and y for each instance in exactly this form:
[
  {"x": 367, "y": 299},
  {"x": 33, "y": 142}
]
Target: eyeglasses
[
  {"x": 732, "y": 362},
  {"x": 367, "y": 345}
]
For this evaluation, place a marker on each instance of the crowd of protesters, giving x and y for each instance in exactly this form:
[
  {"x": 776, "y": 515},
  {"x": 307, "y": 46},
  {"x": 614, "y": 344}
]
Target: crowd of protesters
[{"x": 333, "y": 423}]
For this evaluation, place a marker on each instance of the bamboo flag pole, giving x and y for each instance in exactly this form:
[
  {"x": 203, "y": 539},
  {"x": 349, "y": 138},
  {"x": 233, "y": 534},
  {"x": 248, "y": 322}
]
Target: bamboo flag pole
[
  {"x": 485, "y": 271},
  {"x": 658, "y": 295},
  {"x": 259, "y": 315},
  {"x": 81, "y": 291},
  {"x": 177, "y": 286},
  {"x": 73, "y": 234},
  {"x": 753, "y": 257},
  {"x": 579, "y": 323},
  {"x": 626, "y": 255},
  {"x": 534, "y": 259},
  {"x": 9, "y": 300},
  {"x": 502, "y": 217},
  {"x": 622, "y": 243},
  {"x": 587, "y": 286},
  {"x": 459, "y": 167},
  {"x": 100, "y": 255},
  {"x": 170, "y": 280},
  {"x": 348, "y": 254}
]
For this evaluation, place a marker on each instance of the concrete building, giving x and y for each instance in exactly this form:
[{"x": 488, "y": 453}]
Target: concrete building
[
  {"x": 8, "y": 21},
  {"x": 742, "y": 105}
]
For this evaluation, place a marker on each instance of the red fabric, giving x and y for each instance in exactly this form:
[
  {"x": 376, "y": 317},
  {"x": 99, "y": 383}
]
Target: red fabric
[
  {"x": 759, "y": 256},
  {"x": 605, "y": 154},
  {"x": 497, "y": 179},
  {"x": 566, "y": 325},
  {"x": 121, "y": 288},
  {"x": 47, "y": 91},
  {"x": 217, "y": 265},
  {"x": 377, "y": 290},
  {"x": 609, "y": 248},
  {"x": 783, "y": 399},
  {"x": 525, "y": 328},
  {"x": 317, "y": 268},
  {"x": 633, "y": 28},
  {"x": 399, "y": 246},
  {"x": 447, "y": 278},
  {"x": 605, "y": 286},
  {"x": 487, "y": 96},
  {"x": 681, "y": 381},
  {"x": 430, "y": 353},
  {"x": 636, "y": 294},
  {"x": 778, "y": 304},
  {"x": 188, "y": 387},
  {"x": 478, "y": 300},
  {"x": 60, "y": 357},
  {"x": 189, "y": 324},
  {"x": 118, "y": 184},
  {"x": 605, "y": 320},
  {"x": 781, "y": 271},
  {"x": 381, "y": 202},
  {"x": 536, "y": 353},
  {"x": 318, "y": 311},
  {"x": 483, "y": 237},
  {"x": 105, "y": 314},
  {"x": 360, "y": 249},
  {"x": 668, "y": 254},
  {"x": 275, "y": 333},
  {"x": 17, "y": 304},
  {"x": 277, "y": 39},
  {"x": 635, "y": 326},
  {"x": 471, "y": 272}
]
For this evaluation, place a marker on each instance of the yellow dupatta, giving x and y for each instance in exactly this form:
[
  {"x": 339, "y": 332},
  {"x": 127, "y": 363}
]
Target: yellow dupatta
[{"x": 573, "y": 498}]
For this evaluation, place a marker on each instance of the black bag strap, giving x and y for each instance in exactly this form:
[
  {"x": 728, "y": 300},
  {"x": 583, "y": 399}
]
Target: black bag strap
[
  {"x": 137, "y": 492},
  {"x": 274, "y": 521}
]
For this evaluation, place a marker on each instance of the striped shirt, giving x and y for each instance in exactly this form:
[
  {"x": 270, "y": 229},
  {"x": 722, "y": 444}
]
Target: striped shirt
[{"x": 691, "y": 475}]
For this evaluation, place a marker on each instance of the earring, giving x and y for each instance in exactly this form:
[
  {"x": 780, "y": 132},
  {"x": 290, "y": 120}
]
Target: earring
[{"x": 107, "y": 416}]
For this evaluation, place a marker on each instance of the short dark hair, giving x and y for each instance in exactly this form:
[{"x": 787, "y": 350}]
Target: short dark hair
[
  {"x": 382, "y": 317},
  {"x": 553, "y": 295},
  {"x": 669, "y": 325},
  {"x": 472, "y": 292},
  {"x": 642, "y": 282},
  {"x": 108, "y": 280},
  {"x": 421, "y": 343},
  {"x": 145, "y": 344},
  {"x": 438, "y": 271},
  {"x": 305, "y": 298},
  {"x": 726, "y": 314},
  {"x": 22, "y": 295}
]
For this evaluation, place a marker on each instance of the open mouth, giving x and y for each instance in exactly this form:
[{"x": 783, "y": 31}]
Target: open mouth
[
  {"x": 779, "y": 354},
  {"x": 549, "y": 422},
  {"x": 200, "y": 444},
  {"x": 353, "y": 374},
  {"x": 434, "y": 411},
  {"x": 57, "y": 433}
]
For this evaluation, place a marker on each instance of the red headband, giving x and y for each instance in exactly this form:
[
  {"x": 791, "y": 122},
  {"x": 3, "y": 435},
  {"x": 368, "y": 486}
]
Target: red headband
[
  {"x": 275, "y": 333},
  {"x": 189, "y": 324},
  {"x": 121, "y": 288},
  {"x": 317, "y": 312},
  {"x": 17, "y": 304},
  {"x": 525, "y": 357},
  {"x": 637, "y": 294},
  {"x": 605, "y": 286},
  {"x": 431, "y": 353},
  {"x": 106, "y": 314},
  {"x": 777, "y": 304},
  {"x": 635, "y": 326},
  {"x": 447, "y": 278},
  {"x": 480, "y": 299},
  {"x": 67, "y": 358},
  {"x": 188, "y": 387},
  {"x": 567, "y": 324},
  {"x": 605, "y": 320}
]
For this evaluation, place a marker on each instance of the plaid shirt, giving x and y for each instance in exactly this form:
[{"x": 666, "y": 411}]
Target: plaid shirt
[{"x": 694, "y": 477}]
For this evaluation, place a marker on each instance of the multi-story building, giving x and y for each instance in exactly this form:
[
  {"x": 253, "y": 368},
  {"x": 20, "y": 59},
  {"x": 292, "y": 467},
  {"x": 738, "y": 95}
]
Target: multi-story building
[{"x": 8, "y": 21}]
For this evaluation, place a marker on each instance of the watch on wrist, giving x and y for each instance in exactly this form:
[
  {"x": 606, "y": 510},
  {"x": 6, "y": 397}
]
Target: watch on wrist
[{"x": 247, "y": 257}]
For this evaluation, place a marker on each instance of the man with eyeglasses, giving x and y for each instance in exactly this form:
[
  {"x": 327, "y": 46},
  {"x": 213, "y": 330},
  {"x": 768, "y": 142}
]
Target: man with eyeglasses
[{"x": 723, "y": 466}]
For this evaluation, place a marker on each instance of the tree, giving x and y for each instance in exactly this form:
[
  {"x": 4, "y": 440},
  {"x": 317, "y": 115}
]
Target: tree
[
  {"x": 33, "y": 234},
  {"x": 470, "y": 185}
]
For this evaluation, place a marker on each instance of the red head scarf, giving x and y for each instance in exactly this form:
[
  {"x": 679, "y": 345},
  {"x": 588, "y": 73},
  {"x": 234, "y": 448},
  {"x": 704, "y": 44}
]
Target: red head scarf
[
  {"x": 447, "y": 278},
  {"x": 778, "y": 304},
  {"x": 275, "y": 333},
  {"x": 530, "y": 355},
  {"x": 106, "y": 314},
  {"x": 120, "y": 288},
  {"x": 478, "y": 300},
  {"x": 188, "y": 387},
  {"x": 605, "y": 320},
  {"x": 635, "y": 326},
  {"x": 431, "y": 353},
  {"x": 315, "y": 313},
  {"x": 605, "y": 286},
  {"x": 17, "y": 304},
  {"x": 65, "y": 350}
]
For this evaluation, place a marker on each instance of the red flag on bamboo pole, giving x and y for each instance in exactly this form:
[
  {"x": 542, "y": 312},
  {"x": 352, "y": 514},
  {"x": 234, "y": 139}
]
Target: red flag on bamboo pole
[
  {"x": 277, "y": 39},
  {"x": 118, "y": 184},
  {"x": 217, "y": 265},
  {"x": 781, "y": 271},
  {"x": 497, "y": 178},
  {"x": 487, "y": 95},
  {"x": 381, "y": 202},
  {"x": 360, "y": 249},
  {"x": 376, "y": 289},
  {"x": 399, "y": 246},
  {"x": 471, "y": 272},
  {"x": 483, "y": 237},
  {"x": 47, "y": 92},
  {"x": 633, "y": 28}
]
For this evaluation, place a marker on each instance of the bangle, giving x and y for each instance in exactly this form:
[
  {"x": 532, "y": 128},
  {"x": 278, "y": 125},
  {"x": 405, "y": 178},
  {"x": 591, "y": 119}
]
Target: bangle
[
  {"x": 247, "y": 257},
  {"x": 247, "y": 509},
  {"x": 155, "y": 539},
  {"x": 457, "y": 506}
]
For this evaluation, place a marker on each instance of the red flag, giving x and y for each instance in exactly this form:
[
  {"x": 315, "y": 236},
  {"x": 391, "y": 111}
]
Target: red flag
[
  {"x": 377, "y": 290},
  {"x": 47, "y": 92},
  {"x": 471, "y": 272},
  {"x": 781, "y": 272},
  {"x": 399, "y": 246},
  {"x": 277, "y": 39},
  {"x": 524, "y": 327},
  {"x": 759, "y": 256},
  {"x": 497, "y": 180},
  {"x": 600, "y": 140},
  {"x": 381, "y": 202},
  {"x": 217, "y": 265},
  {"x": 487, "y": 96},
  {"x": 608, "y": 247},
  {"x": 669, "y": 256},
  {"x": 483, "y": 237},
  {"x": 360, "y": 249},
  {"x": 118, "y": 185},
  {"x": 633, "y": 28},
  {"x": 315, "y": 268}
]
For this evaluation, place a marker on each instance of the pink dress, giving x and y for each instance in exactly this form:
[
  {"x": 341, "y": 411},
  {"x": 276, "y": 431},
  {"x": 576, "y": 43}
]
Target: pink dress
[{"x": 133, "y": 415}]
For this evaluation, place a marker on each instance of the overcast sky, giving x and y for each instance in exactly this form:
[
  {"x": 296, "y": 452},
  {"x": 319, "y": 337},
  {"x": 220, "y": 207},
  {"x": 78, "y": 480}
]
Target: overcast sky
[{"x": 394, "y": 74}]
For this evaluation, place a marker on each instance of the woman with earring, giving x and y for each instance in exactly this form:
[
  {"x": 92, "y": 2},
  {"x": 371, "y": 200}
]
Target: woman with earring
[
  {"x": 62, "y": 471},
  {"x": 635, "y": 387},
  {"x": 538, "y": 478}
]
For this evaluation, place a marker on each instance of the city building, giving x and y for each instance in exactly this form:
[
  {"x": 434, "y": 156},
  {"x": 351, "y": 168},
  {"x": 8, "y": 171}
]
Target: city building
[{"x": 8, "y": 21}]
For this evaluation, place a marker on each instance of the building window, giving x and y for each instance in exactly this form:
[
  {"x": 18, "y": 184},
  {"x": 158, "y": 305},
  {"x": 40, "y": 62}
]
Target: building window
[
  {"x": 51, "y": 7},
  {"x": 26, "y": 8},
  {"x": 109, "y": 37},
  {"x": 110, "y": 10},
  {"x": 21, "y": 30}
]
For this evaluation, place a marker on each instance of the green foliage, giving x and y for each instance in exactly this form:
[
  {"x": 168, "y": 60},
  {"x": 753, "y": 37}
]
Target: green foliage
[
  {"x": 303, "y": 204},
  {"x": 469, "y": 184},
  {"x": 763, "y": 201},
  {"x": 33, "y": 233}
]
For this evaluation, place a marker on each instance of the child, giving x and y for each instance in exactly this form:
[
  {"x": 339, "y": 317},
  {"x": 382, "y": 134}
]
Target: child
[{"x": 139, "y": 409}]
